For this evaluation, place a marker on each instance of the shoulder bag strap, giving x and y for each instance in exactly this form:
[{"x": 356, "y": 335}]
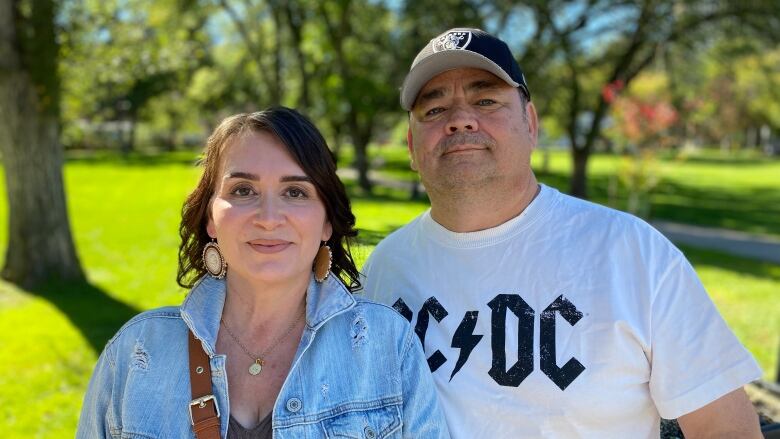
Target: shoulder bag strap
[{"x": 204, "y": 412}]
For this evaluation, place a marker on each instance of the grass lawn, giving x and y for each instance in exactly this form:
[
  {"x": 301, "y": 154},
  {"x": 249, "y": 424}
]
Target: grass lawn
[
  {"x": 125, "y": 215},
  {"x": 739, "y": 192}
]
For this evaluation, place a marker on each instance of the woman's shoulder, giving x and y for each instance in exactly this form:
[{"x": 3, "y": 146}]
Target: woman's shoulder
[
  {"x": 382, "y": 319},
  {"x": 379, "y": 310},
  {"x": 153, "y": 321}
]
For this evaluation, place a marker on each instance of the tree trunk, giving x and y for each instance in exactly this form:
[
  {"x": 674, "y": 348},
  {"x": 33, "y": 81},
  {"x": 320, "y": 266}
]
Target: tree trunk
[
  {"x": 128, "y": 136},
  {"x": 40, "y": 245},
  {"x": 360, "y": 141},
  {"x": 295, "y": 21},
  {"x": 579, "y": 172}
]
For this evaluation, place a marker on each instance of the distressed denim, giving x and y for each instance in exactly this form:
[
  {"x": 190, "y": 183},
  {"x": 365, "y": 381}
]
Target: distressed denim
[{"x": 359, "y": 372}]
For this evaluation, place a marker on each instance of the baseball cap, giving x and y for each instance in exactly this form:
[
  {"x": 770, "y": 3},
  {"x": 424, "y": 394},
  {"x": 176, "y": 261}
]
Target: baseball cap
[{"x": 456, "y": 48}]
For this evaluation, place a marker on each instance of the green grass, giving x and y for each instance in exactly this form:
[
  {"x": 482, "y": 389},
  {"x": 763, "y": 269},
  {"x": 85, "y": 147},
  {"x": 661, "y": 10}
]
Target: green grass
[
  {"x": 739, "y": 191},
  {"x": 125, "y": 214},
  {"x": 746, "y": 294}
]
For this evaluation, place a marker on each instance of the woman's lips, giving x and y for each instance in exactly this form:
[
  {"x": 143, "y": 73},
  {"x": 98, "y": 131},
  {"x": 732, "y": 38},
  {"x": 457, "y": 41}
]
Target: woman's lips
[{"x": 269, "y": 246}]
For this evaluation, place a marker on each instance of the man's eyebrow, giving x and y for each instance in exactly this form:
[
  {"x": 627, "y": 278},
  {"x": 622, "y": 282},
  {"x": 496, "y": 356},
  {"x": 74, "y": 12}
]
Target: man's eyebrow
[
  {"x": 430, "y": 95},
  {"x": 483, "y": 84},
  {"x": 478, "y": 85}
]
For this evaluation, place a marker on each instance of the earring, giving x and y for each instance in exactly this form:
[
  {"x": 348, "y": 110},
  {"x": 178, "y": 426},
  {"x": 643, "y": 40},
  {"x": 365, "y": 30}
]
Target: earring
[
  {"x": 213, "y": 260},
  {"x": 322, "y": 263}
]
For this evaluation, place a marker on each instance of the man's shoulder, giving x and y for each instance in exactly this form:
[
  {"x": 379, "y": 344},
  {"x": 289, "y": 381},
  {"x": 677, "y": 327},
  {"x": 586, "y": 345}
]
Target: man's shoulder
[
  {"x": 595, "y": 215},
  {"x": 400, "y": 237}
]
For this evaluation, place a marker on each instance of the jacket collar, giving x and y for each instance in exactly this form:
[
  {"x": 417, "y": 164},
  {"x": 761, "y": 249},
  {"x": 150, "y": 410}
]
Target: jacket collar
[{"x": 202, "y": 308}]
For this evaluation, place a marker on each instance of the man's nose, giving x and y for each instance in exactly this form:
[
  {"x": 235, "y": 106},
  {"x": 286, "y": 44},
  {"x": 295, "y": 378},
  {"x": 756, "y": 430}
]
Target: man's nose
[{"x": 462, "y": 118}]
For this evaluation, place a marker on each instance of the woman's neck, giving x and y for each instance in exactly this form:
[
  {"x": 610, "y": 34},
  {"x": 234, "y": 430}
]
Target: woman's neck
[{"x": 259, "y": 309}]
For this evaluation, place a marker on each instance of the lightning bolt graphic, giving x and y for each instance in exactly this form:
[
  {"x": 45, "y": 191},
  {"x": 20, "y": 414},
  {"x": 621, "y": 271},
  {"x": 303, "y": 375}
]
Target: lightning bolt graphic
[{"x": 465, "y": 340}]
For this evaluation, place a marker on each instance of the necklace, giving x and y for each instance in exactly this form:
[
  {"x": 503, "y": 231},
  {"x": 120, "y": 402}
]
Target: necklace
[{"x": 257, "y": 367}]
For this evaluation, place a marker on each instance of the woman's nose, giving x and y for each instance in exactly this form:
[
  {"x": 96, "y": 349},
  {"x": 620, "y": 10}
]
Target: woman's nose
[{"x": 269, "y": 214}]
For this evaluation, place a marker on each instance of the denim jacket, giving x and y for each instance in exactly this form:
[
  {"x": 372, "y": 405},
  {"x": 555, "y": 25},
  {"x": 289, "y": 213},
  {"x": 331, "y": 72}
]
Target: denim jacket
[{"x": 359, "y": 372}]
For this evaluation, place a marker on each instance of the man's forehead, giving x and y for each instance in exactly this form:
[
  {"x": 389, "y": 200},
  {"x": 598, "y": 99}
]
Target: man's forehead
[{"x": 464, "y": 75}]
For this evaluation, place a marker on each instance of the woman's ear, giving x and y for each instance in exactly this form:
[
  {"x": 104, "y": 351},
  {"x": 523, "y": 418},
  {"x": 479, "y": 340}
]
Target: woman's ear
[{"x": 327, "y": 231}]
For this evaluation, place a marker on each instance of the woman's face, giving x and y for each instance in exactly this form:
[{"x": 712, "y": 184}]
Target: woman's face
[{"x": 266, "y": 214}]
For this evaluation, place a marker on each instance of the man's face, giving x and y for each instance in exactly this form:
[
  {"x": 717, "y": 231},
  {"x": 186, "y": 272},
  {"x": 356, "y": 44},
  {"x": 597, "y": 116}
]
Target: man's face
[{"x": 468, "y": 129}]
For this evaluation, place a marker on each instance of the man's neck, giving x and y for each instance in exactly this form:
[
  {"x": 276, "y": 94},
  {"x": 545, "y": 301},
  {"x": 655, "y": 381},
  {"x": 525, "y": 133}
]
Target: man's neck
[{"x": 484, "y": 208}]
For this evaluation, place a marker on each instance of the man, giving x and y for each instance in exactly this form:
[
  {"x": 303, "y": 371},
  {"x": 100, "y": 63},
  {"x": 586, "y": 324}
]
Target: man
[{"x": 543, "y": 315}]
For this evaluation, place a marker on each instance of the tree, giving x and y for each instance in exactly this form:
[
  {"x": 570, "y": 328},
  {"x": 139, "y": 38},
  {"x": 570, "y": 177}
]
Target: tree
[
  {"x": 358, "y": 33},
  {"x": 641, "y": 122},
  {"x": 40, "y": 245},
  {"x": 576, "y": 47},
  {"x": 134, "y": 52}
]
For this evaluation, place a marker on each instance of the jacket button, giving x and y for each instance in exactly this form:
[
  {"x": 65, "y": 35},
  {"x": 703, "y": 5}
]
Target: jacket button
[
  {"x": 294, "y": 404},
  {"x": 370, "y": 433}
]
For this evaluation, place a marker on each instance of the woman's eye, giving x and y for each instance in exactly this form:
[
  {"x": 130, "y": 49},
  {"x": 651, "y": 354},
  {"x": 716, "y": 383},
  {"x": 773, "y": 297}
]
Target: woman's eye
[
  {"x": 295, "y": 192},
  {"x": 242, "y": 191}
]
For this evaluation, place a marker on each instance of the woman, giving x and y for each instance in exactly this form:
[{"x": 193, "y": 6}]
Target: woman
[{"x": 290, "y": 351}]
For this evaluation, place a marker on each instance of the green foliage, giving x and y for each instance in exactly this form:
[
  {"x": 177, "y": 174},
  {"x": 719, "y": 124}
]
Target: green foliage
[{"x": 118, "y": 56}]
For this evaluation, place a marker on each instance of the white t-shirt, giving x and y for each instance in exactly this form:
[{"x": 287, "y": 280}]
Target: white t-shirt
[{"x": 570, "y": 320}]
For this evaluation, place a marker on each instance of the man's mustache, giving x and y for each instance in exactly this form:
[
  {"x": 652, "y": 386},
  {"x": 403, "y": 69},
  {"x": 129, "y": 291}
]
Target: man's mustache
[{"x": 464, "y": 138}]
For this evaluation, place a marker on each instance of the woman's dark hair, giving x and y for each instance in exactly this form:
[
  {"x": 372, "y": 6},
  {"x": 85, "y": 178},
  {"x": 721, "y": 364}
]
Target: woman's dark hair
[{"x": 309, "y": 149}]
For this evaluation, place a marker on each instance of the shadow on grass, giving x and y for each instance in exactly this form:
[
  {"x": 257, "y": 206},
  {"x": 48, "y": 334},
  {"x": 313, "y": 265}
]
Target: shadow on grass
[
  {"x": 91, "y": 310},
  {"x": 755, "y": 210},
  {"x": 727, "y": 160},
  {"x": 750, "y": 267},
  {"x": 382, "y": 193},
  {"x": 373, "y": 236},
  {"x": 189, "y": 158}
]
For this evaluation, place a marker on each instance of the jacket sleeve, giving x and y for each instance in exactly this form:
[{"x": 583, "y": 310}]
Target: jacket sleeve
[
  {"x": 423, "y": 416},
  {"x": 95, "y": 418}
]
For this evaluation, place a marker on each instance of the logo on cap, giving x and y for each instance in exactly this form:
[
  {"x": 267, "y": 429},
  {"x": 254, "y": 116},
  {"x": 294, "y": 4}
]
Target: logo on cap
[{"x": 456, "y": 40}]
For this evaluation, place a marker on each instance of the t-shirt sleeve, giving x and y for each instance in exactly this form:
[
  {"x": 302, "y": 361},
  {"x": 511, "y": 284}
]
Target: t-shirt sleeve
[
  {"x": 695, "y": 358},
  {"x": 367, "y": 280}
]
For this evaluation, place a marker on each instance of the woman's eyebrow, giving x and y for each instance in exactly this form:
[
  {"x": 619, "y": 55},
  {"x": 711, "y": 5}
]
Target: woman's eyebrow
[
  {"x": 289, "y": 178},
  {"x": 241, "y": 174}
]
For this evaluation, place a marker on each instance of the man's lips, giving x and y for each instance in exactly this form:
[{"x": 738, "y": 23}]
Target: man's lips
[
  {"x": 269, "y": 245},
  {"x": 464, "y": 148}
]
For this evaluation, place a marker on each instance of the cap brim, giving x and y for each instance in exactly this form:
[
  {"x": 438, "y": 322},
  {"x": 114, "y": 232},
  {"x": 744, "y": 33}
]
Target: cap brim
[{"x": 440, "y": 62}]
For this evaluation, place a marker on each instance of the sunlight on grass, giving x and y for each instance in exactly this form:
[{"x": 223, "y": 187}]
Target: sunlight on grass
[
  {"x": 125, "y": 217},
  {"x": 45, "y": 368},
  {"x": 746, "y": 294}
]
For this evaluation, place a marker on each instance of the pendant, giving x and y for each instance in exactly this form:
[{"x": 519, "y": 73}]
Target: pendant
[{"x": 256, "y": 367}]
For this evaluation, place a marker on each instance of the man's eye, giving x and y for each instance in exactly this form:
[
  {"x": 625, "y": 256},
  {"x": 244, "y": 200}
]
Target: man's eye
[
  {"x": 485, "y": 102},
  {"x": 434, "y": 111}
]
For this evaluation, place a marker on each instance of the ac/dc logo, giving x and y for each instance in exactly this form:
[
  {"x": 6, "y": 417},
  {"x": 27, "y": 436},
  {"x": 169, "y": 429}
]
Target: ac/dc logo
[{"x": 465, "y": 339}]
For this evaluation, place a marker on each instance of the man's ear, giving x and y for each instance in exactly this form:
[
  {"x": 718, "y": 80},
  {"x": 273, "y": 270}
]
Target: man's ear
[
  {"x": 533, "y": 123},
  {"x": 410, "y": 146}
]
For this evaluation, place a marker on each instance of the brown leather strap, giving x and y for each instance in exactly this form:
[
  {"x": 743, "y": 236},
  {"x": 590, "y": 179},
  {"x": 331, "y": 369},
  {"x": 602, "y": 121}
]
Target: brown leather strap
[{"x": 204, "y": 413}]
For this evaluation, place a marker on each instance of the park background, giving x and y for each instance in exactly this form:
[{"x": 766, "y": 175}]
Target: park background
[{"x": 667, "y": 109}]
